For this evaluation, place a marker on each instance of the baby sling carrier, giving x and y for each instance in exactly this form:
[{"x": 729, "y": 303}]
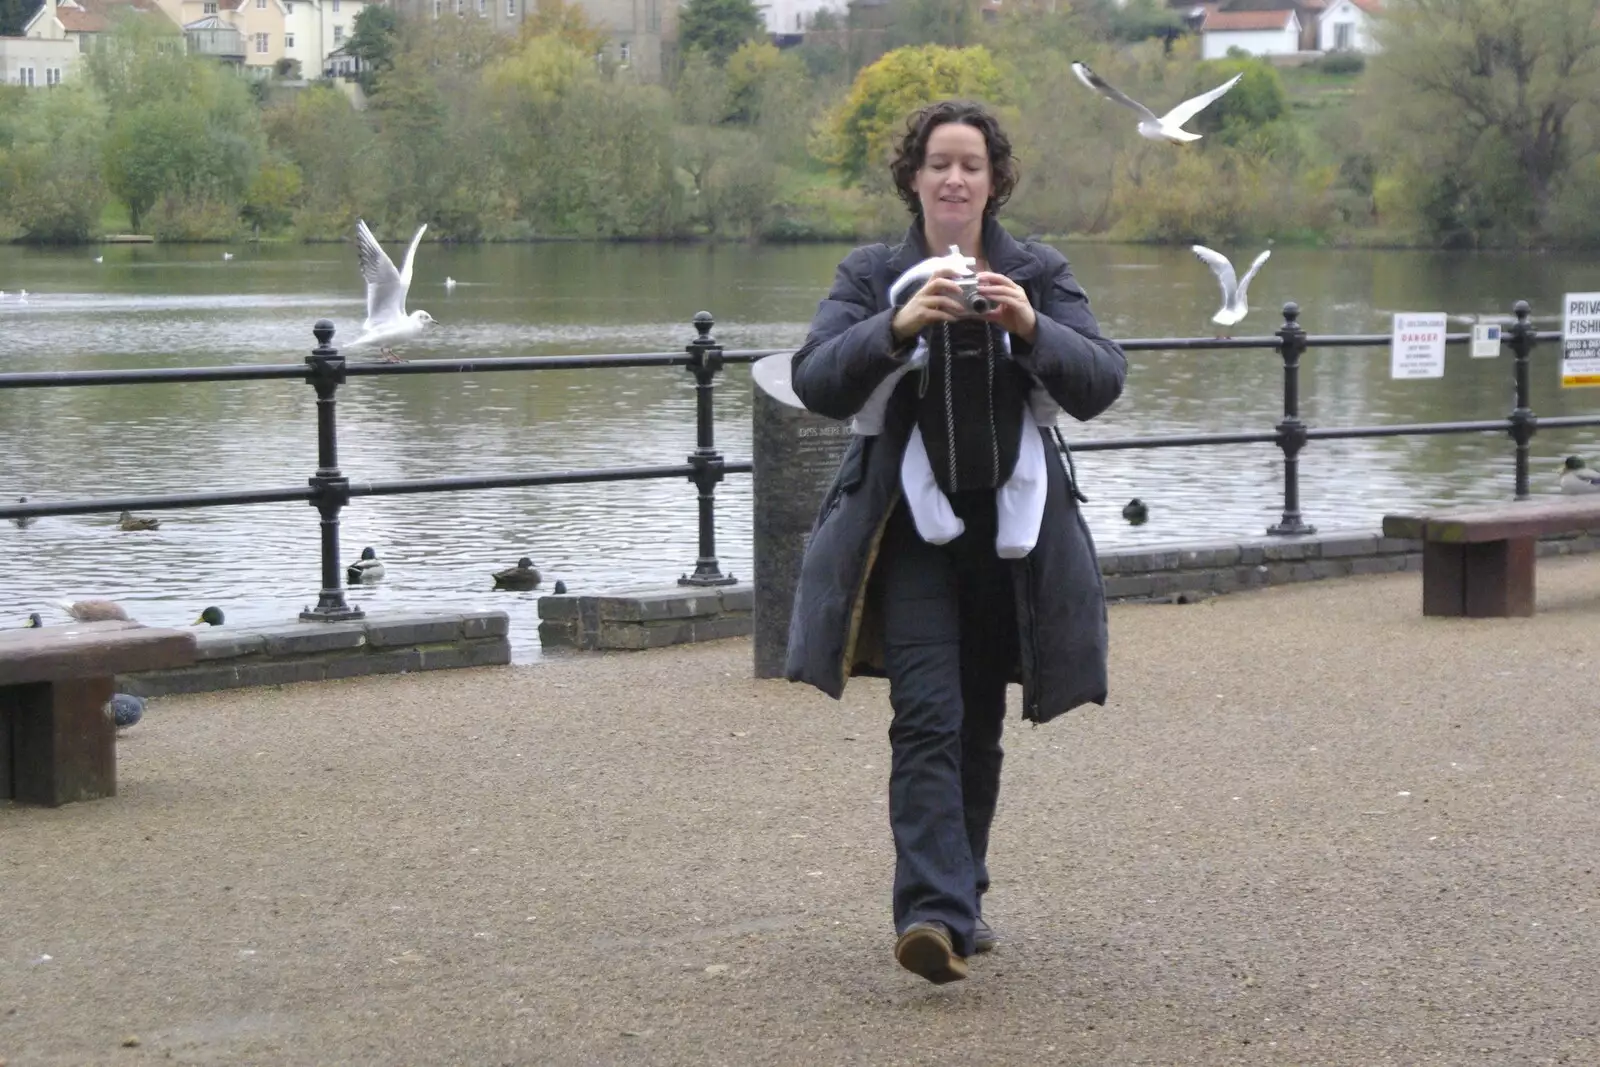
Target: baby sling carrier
[{"x": 971, "y": 401}]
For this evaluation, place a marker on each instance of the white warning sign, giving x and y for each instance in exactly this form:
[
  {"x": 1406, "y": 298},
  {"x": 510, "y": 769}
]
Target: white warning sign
[
  {"x": 1486, "y": 341},
  {"x": 1416, "y": 348}
]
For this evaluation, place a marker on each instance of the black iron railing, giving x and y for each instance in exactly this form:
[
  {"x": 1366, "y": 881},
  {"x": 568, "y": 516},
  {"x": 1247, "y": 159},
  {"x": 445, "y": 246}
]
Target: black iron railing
[
  {"x": 329, "y": 490},
  {"x": 1291, "y": 434}
]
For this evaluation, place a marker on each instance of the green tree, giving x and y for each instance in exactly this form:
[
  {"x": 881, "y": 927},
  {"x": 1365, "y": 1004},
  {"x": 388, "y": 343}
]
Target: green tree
[
  {"x": 1140, "y": 20},
  {"x": 752, "y": 73},
  {"x": 564, "y": 22},
  {"x": 1257, "y": 99},
  {"x": 616, "y": 163},
  {"x": 701, "y": 92},
  {"x": 740, "y": 186},
  {"x": 373, "y": 40},
  {"x": 181, "y": 128},
  {"x": 577, "y": 152},
  {"x": 738, "y": 126},
  {"x": 334, "y": 151},
  {"x": 50, "y": 184},
  {"x": 951, "y": 23},
  {"x": 270, "y": 201},
  {"x": 14, "y": 14},
  {"x": 437, "y": 140},
  {"x": 885, "y": 94},
  {"x": 825, "y": 50},
  {"x": 150, "y": 150},
  {"x": 1474, "y": 83},
  {"x": 143, "y": 60},
  {"x": 719, "y": 27}
]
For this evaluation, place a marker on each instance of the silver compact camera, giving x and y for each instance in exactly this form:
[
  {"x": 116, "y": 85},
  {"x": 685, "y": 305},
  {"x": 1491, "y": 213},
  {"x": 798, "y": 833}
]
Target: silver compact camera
[{"x": 971, "y": 299}]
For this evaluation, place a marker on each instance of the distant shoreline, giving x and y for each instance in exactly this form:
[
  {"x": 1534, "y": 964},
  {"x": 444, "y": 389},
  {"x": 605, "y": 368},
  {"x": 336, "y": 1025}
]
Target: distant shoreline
[{"x": 1365, "y": 241}]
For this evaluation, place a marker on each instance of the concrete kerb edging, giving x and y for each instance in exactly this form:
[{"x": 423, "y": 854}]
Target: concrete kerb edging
[
  {"x": 383, "y": 643},
  {"x": 668, "y": 615},
  {"x": 661, "y": 616},
  {"x": 1184, "y": 571}
]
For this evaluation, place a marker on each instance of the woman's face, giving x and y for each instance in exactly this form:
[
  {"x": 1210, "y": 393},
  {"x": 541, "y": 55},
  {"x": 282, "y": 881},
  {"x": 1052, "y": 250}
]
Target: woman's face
[{"x": 954, "y": 182}]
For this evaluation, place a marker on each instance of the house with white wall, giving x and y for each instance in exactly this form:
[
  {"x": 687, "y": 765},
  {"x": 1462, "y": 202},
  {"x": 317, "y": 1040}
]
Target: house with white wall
[
  {"x": 1260, "y": 33},
  {"x": 788, "y": 17},
  {"x": 308, "y": 31},
  {"x": 317, "y": 29},
  {"x": 1346, "y": 26},
  {"x": 38, "y": 62},
  {"x": 642, "y": 34},
  {"x": 59, "y": 33},
  {"x": 259, "y": 24}
]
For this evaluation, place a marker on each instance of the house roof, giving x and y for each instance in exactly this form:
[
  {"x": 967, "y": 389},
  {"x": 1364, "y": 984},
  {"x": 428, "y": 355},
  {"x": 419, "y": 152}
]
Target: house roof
[
  {"x": 76, "y": 19},
  {"x": 94, "y": 16},
  {"x": 1246, "y": 20}
]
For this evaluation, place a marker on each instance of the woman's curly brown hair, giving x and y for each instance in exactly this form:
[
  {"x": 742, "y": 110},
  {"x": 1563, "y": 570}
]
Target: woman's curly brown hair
[{"x": 913, "y": 151}]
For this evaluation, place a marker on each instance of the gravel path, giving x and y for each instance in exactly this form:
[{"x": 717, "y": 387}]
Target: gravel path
[{"x": 1310, "y": 827}]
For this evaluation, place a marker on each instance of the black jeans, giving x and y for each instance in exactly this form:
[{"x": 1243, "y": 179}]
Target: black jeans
[{"x": 950, "y": 635}]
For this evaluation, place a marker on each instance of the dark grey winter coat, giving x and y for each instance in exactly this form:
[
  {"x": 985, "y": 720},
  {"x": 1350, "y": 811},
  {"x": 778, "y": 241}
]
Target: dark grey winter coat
[{"x": 837, "y": 630}]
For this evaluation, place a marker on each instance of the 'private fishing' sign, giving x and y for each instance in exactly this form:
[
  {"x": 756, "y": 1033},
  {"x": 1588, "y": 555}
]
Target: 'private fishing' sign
[{"x": 1580, "y": 339}]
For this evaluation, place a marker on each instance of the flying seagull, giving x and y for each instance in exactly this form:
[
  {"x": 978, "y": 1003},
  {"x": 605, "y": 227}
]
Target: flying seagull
[
  {"x": 1168, "y": 126},
  {"x": 1234, "y": 302},
  {"x": 387, "y": 321}
]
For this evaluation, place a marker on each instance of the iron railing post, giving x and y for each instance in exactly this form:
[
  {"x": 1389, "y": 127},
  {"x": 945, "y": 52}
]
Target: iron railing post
[
  {"x": 331, "y": 489},
  {"x": 1522, "y": 422},
  {"x": 705, "y": 360},
  {"x": 1291, "y": 431}
]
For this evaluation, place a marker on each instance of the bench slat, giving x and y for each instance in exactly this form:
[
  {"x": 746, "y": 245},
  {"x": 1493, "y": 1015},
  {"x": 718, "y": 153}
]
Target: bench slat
[
  {"x": 1467, "y": 525},
  {"x": 90, "y": 650}
]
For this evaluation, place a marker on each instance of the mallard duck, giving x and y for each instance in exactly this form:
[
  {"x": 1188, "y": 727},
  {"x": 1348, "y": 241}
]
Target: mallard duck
[
  {"x": 212, "y": 616},
  {"x": 1135, "y": 512},
  {"x": 560, "y": 588},
  {"x": 34, "y": 622},
  {"x": 24, "y": 523},
  {"x": 365, "y": 569},
  {"x": 126, "y": 521},
  {"x": 94, "y": 610},
  {"x": 1576, "y": 477},
  {"x": 523, "y": 576},
  {"x": 124, "y": 709}
]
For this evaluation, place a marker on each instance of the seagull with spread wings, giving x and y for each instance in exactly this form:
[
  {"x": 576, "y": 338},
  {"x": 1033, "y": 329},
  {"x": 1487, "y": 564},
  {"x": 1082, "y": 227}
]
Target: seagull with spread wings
[
  {"x": 1169, "y": 126},
  {"x": 387, "y": 321},
  {"x": 1234, "y": 293}
]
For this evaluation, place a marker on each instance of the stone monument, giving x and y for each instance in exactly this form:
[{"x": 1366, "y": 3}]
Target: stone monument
[{"x": 794, "y": 457}]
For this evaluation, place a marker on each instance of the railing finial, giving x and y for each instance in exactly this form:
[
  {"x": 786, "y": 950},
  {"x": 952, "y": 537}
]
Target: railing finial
[{"x": 702, "y": 326}]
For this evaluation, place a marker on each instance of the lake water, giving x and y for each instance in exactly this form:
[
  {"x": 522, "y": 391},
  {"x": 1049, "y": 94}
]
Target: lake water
[{"x": 152, "y": 305}]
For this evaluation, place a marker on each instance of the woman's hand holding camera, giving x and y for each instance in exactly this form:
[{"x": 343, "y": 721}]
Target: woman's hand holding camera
[
  {"x": 1013, "y": 313},
  {"x": 939, "y": 300}
]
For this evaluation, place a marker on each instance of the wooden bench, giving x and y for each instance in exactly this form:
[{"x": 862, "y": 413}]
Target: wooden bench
[
  {"x": 1478, "y": 561},
  {"x": 57, "y": 744}
]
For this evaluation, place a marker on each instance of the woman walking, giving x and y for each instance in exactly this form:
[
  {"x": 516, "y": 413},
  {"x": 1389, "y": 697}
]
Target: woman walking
[{"x": 948, "y": 555}]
